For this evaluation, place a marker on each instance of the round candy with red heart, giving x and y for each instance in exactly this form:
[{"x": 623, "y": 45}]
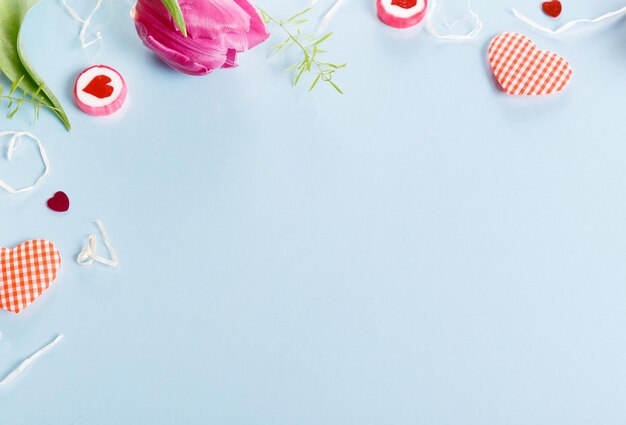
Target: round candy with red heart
[
  {"x": 401, "y": 13},
  {"x": 100, "y": 90}
]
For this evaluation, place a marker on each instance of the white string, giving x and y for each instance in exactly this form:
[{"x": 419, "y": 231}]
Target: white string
[
  {"x": 86, "y": 22},
  {"x": 478, "y": 24},
  {"x": 30, "y": 360},
  {"x": 14, "y": 143},
  {"x": 568, "y": 25},
  {"x": 88, "y": 255},
  {"x": 330, "y": 15}
]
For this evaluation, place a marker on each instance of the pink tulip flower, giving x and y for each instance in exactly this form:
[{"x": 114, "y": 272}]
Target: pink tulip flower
[{"x": 217, "y": 30}]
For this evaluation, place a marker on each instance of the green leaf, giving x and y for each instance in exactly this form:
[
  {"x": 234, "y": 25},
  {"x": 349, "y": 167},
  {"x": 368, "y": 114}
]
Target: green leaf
[
  {"x": 297, "y": 15},
  {"x": 264, "y": 16},
  {"x": 294, "y": 66},
  {"x": 321, "y": 40},
  {"x": 13, "y": 61},
  {"x": 315, "y": 82},
  {"x": 335, "y": 86},
  {"x": 13, "y": 112},
  {"x": 15, "y": 84},
  {"x": 173, "y": 7},
  {"x": 39, "y": 89},
  {"x": 297, "y": 79},
  {"x": 298, "y": 22}
]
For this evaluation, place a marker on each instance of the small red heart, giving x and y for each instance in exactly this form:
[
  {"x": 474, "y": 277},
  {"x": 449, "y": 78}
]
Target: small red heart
[
  {"x": 59, "y": 202},
  {"x": 99, "y": 87},
  {"x": 552, "y": 8}
]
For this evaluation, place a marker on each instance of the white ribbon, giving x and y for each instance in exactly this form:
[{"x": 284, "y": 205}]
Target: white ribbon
[
  {"x": 14, "y": 143},
  {"x": 568, "y": 25},
  {"x": 434, "y": 6},
  {"x": 471, "y": 34},
  {"x": 329, "y": 16},
  {"x": 88, "y": 255},
  {"x": 30, "y": 360},
  {"x": 86, "y": 22}
]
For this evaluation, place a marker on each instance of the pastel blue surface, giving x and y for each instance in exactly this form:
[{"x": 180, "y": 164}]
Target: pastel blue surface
[{"x": 422, "y": 250}]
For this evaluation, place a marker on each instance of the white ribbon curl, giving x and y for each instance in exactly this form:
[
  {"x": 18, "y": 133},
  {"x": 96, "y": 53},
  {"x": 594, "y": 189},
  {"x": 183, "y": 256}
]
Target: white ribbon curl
[
  {"x": 569, "y": 25},
  {"x": 86, "y": 22},
  {"x": 14, "y": 143},
  {"x": 478, "y": 24},
  {"x": 330, "y": 15},
  {"x": 88, "y": 255}
]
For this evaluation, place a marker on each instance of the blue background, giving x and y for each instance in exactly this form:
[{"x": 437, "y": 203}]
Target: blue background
[{"x": 422, "y": 250}]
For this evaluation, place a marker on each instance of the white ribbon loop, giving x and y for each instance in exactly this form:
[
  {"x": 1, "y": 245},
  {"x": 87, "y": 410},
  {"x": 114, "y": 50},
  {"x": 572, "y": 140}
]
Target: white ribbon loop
[
  {"x": 471, "y": 34},
  {"x": 88, "y": 254},
  {"x": 14, "y": 143},
  {"x": 86, "y": 22}
]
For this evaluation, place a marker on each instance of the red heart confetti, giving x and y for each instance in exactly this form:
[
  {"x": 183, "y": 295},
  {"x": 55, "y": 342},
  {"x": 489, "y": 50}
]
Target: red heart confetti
[
  {"x": 552, "y": 8},
  {"x": 99, "y": 87},
  {"x": 523, "y": 69},
  {"x": 26, "y": 272},
  {"x": 59, "y": 202}
]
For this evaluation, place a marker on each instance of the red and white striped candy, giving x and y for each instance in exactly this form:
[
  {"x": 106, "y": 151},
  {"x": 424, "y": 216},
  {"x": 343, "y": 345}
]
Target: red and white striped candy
[
  {"x": 523, "y": 69},
  {"x": 401, "y": 13},
  {"x": 100, "y": 90}
]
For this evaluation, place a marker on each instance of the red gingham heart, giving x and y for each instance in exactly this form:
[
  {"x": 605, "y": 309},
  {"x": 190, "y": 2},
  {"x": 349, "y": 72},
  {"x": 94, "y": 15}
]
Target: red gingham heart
[
  {"x": 26, "y": 272},
  {"x": 523, "y": 69}
]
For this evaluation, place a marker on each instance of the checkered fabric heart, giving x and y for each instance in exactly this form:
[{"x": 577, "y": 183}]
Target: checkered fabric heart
[
  {"x": 26, "y": 272},
  {"x": 523, "y": 69}
]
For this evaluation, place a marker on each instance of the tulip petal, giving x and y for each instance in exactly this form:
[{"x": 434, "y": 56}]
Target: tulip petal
[
  {"x": 242, "y": 41},
  {"x": 210, "y": 19},
  {"x": 258, "y": 33},
  {"x": 231, "y": 59},
  {"x": 191, "y": 56},
  {"x": 217, "y": 30}
]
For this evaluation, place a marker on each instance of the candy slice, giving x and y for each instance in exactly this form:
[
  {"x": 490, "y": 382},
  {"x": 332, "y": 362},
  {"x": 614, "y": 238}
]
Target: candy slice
[
  {"x": 401, "y": 13},
  {"x": 552, "y": 8},
  {"x": 59, "y": 202},
  {"x": 100, "y": 90}
]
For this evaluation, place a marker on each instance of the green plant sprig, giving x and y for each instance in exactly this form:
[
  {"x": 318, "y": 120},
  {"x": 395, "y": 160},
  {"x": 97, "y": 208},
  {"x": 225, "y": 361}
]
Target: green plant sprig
[
  {"x": 15, "y": 103},
  {"x": 309, "y": 44}
]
